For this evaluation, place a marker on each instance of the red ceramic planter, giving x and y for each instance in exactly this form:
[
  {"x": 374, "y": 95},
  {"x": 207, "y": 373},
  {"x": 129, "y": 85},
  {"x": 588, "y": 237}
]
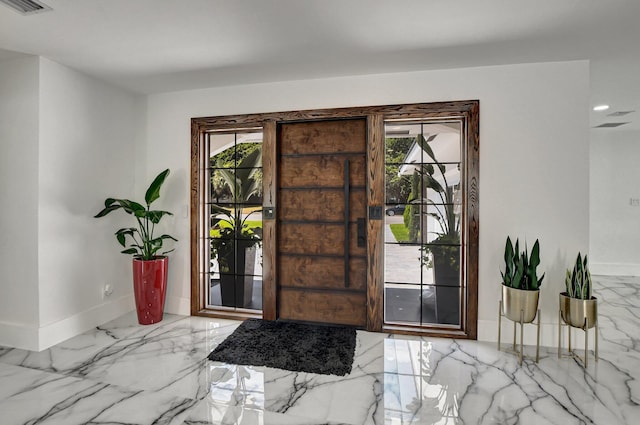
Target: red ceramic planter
[{"x": 149, "y": 288}]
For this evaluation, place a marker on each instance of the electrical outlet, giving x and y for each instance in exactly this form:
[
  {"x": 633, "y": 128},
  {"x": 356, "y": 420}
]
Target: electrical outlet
[
  {"x": 634, "y": 202},
  {"x": 107, "y": 290}
]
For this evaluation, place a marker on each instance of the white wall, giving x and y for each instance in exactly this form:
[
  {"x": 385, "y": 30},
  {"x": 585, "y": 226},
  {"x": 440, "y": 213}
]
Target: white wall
[
  {"x": 533, "y": 130},
  {"x": 614, "y": 212},
  {"x": 87, "y": 147},
  {"x": 68, "y": 141},
  {"x": 19, "y": 194}
]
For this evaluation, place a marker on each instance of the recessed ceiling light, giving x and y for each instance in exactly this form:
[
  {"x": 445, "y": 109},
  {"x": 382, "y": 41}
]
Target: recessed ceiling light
[{"x": 601, "y": 108}]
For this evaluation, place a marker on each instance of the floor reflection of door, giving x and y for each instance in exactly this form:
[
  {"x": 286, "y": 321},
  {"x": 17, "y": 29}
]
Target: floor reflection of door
[{"x": 321, "y": 221}]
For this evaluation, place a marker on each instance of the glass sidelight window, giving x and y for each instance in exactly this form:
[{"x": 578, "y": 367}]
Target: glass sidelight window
[
  {"x": 423, "y": 232},
  {"x": 234, "y": 206}
]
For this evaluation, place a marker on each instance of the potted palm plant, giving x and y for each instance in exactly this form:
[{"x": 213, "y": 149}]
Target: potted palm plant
[
  {"x": 150, "y": 263},
  {"x": 520, "y": 282},
  {"x": 233, "y": 240},
  {"x": 578, "y": 307}
]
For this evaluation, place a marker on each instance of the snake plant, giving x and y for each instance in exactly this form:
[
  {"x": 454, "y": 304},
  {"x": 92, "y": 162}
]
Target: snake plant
[
  {"x": 521, "y": 267},
  {"x": 578, "y": 282}
]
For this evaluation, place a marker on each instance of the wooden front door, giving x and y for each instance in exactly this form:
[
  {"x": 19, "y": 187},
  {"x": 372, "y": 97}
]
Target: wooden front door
[{"x": 321, "y": 222}]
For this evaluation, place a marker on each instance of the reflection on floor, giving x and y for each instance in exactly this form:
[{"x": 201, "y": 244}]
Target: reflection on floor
[{"x": 124, "y": 373}]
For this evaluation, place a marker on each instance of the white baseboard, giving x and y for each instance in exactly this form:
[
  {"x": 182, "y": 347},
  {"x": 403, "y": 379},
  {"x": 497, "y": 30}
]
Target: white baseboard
[
  {"x": 36, "y": 338},
  {"x": 615, "y": 269},
  {"x": 62, "y": 330},
  {"x": 177, "y": 305},
  {"x": 19, "y": 336}
]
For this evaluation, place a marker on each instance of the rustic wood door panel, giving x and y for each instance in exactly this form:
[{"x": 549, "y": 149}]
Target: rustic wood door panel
[
  {"x": 321, "y": 205},
  {"x": 320, "y": 137},
  {"x": 322, "y": 171},
  {"x": 318, "y": 239},
  {"x": 322, "y": 272},
  {"x": 325, "y": 307},
  {"x": 328, "y": 170}
]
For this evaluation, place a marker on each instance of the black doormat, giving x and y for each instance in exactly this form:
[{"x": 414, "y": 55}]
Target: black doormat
[{"x": 297, "y": 347}]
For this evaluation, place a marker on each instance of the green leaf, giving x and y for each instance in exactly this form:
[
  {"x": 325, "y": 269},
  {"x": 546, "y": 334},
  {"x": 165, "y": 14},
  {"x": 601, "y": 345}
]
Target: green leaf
[
  {"x": 251, "y": 161},
  {"x": 519, "y": 273},
  {"x": 153, "y": 192},
  {"x": 535, "y": 255},
  {"x": 159, "y": 238},
  {"x": 130, "y": 207},
  {"x": 437, "y": 216},
  {"x": 107, "y": 210},
  {"x": 156, "y": 216},
  {"x": 215, "y": 209},
  {"x": 432, "y": 183},
  {"x": 122, "y": 233},
  {"x": 420, "y": 140},
  {"x": 157, "y": 242},
  {"x": 588, "y": 289},
  {"x": 130, "y": 251},
  {"x": 228, "y": 175},
  {"x": 428, "y": 169},
  {"x": 508, "y": 252}
]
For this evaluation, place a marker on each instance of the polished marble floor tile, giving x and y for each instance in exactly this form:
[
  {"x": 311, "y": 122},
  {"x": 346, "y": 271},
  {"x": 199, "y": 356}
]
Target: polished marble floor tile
[
  {"x": 29, "y": 396},
  {"x": 123, "y": 373}
]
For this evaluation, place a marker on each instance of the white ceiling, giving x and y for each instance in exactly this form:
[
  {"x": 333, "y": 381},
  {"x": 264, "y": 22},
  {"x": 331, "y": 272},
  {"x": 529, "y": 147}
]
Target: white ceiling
[{"x": 152, "y": 46}]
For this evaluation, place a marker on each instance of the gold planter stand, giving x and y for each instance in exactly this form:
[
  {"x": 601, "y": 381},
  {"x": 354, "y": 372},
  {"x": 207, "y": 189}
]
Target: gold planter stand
[
  {"x": 579, "y": 314},
  {"x": 521, "y": 307}
]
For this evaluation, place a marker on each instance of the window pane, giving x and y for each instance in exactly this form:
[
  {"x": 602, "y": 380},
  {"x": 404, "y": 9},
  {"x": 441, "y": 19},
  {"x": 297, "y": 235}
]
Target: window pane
[
  {"x": 221, "y": 184},
  {"x": 249, "y": 154},
  {"x": 236, "y": 150},
  {"x": 422, "y": 223},
  {"x": 444, "y": 140},
  {"x": 395, "y": 229},
  {"x": 402, "y": 303},
  {"x": 397, "y": 186},
  {"x": 236, "y": 265},
  {"x": 236, "y": 220},
  {"x": 402, "y": 263},
  {"x": 443, "y": 268},
  {"x": 222, "y": 148},
  {"x": 249, "y": 186}
]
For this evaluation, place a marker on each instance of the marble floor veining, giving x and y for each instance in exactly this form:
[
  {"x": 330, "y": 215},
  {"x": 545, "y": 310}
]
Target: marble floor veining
[{"x": 123, "y": 373}]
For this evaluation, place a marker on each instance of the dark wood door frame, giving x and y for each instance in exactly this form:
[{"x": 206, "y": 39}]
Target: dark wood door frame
[{"x": 466, "y": 111}]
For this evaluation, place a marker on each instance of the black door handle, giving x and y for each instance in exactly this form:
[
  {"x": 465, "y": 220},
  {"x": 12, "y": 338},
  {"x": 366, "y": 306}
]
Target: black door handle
[
  {"x": 346, "y": 223},
  {"x": 362, "y": 232}
]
